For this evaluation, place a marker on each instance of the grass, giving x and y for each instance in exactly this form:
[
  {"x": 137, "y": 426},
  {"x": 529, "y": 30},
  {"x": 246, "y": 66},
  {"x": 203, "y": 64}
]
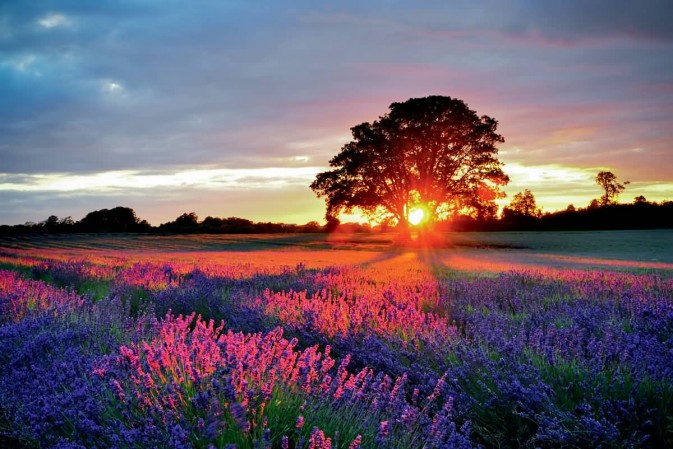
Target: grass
[
  {"x": 570, "y": 380},
  {"x": 631, "y": 246}
]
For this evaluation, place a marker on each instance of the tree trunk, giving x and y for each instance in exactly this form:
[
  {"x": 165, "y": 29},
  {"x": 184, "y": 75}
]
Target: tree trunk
[{"x": 403, "y": 233}]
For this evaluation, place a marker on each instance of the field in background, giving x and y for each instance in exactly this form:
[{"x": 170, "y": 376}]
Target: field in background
[{"x": 492, "y": 252}]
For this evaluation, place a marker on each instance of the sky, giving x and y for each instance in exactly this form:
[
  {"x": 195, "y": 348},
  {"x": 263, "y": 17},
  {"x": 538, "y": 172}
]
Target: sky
[{"x": 230, "y": 108}]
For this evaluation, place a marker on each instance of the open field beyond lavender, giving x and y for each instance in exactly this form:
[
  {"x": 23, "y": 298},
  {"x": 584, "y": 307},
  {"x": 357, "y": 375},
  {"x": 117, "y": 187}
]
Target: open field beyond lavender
[{"x": 504, "y": 340}]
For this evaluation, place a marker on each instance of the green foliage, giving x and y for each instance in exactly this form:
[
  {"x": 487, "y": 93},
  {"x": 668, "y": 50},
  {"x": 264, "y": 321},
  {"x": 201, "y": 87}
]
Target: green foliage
[{"x": 95, "y": 289}]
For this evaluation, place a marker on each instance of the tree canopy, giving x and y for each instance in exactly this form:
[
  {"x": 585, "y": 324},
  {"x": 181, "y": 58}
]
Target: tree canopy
[
  {"x": 433, "y": 152},
  {"x": 523, "y": 203},
  {"x": 117, "y": 219}
]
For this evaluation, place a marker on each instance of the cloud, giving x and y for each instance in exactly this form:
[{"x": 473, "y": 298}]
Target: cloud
[
  {"x": 137, "y": 87},
  {"x": 291, "y": 204},
  {"x": 53, "y": 20},
  {"x": 132, "y": 182},
  {"x": 278, "y": 194}
]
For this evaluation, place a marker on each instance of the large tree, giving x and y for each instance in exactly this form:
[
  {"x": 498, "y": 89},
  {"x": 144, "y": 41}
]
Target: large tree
[{"x": 433, "y": 152}]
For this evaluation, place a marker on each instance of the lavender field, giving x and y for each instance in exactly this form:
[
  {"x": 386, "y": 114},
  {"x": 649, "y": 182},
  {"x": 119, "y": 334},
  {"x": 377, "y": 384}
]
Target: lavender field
[{"x": 308, "y": 342}]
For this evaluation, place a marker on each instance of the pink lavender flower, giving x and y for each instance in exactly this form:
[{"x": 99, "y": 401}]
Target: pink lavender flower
[
  {"x": 356, "y": 443},
  {"x": 383, "y": 432}
]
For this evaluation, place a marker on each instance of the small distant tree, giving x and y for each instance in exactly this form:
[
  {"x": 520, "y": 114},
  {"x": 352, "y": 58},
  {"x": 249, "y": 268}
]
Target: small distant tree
[
  {"x": 118, "y": 219},
  {"x": 187, "y": 223},
  {"x": 523, "y": 203},
  {"x": 54, "y": 224},
  {"x": 67, "y": 221},
  {"x": 212, "y": 225},
  {"x": 235, "y": 225},
  {"x": 50, "y": 223},
  {"x": 640, "y": 199},
  {"x": 187, "y": 220},
  {"x": 611, "y": 188},
  {"x": 311, "y": 226}
]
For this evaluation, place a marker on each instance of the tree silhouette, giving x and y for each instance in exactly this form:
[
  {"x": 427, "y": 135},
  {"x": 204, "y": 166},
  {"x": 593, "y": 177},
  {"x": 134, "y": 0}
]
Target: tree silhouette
[
  {"x": 118, "y": 219},
  {"x": 640, "y": 199},
  {"x": 523, "y": 203},
  {"x": 431, "y": 151},
  {"x": 608, "y": 182},
  {"x": 186, "y": 223},
  {"x": 187, "y": 219}
]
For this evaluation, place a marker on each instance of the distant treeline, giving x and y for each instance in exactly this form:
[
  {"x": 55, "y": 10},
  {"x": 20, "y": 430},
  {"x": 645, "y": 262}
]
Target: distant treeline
[
  {"x": 638, "y": 215},
  {"x": 124, "y": 219}
]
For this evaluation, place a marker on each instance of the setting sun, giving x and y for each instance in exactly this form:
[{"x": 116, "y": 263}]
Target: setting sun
[{"x": 416, "y": 216}]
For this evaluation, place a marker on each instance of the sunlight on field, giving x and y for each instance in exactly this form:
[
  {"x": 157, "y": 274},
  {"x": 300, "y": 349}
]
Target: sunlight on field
[
  {"x": 466, "y": 253},
  {"x": 499, "y": 262},
  {"x": 608, "y": 263}
]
